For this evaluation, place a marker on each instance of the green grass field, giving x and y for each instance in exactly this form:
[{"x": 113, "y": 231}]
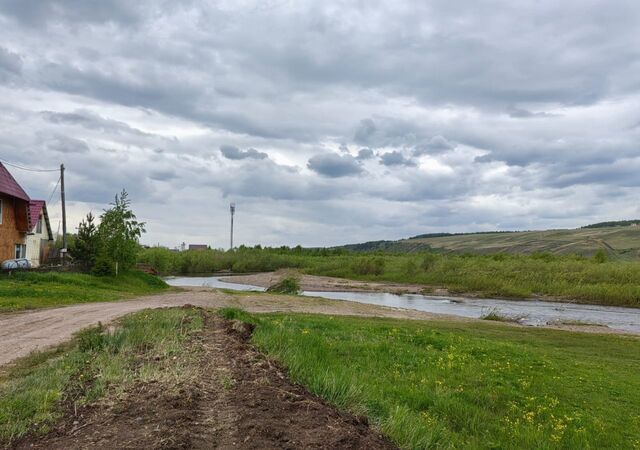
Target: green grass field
[
  {"x": 483, "y": 385},
  {"x": 29, "y": 290},
  {"x": 34, "y": 393},
  {"x": 425, "y": 384}
]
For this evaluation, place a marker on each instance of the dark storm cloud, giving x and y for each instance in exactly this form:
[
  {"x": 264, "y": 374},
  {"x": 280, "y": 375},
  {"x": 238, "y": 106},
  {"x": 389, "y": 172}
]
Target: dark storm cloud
[
  {"x": 396, "y": 158},
  {"x": 232, "y": 152},
  {"x": 334, "y": 165}
]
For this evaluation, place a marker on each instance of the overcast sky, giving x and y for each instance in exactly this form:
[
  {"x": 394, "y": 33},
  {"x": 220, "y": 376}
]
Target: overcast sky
[{"x": 326, "y": 122}]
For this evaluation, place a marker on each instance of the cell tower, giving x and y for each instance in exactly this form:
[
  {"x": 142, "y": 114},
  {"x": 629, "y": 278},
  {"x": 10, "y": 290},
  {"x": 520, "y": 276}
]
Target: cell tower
[{"x": 232, "y": 208}]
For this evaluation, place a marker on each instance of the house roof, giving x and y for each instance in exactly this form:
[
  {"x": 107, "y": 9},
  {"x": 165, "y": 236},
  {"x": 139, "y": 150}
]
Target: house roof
[
  {"x": 35, "y": 208},
  {"x": 9, "y": 185}
]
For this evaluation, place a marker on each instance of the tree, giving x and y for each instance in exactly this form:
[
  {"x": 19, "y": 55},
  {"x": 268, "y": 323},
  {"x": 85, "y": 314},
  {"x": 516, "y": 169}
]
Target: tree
[
  {"x": 86, "y": 244},
  {"x": 119, "y": 232}
]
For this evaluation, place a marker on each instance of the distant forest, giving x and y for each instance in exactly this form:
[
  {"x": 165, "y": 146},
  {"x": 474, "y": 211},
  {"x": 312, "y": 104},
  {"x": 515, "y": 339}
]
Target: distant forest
[{"x": 617, "y": 223}]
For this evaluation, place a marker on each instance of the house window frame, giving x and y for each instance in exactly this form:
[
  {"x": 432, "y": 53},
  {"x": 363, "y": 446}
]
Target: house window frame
[
  {"x": 39, "y": 225},
  {"x": 20, "y": 251}
]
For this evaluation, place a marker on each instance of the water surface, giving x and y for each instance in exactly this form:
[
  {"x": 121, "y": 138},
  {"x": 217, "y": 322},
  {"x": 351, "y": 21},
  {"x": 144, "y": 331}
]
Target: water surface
[{"x": 528, "y": 312}]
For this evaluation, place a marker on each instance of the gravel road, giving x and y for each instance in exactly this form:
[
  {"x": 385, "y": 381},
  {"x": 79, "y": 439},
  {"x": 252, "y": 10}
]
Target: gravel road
[{"x": 22, "y": 333}]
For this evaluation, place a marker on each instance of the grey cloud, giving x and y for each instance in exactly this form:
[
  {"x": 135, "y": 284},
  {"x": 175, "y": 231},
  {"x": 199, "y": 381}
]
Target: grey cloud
[
  {"x": 10, "y": 62},
  {"x": 365, "y": 153},
  {"x": 334, "y": 165},
  {"x": 521, "y": 113},
  {"x": 65, "y": 144},
  {"x": 436, "y": 144},
  {"x": 37, "y": 12},
  {"x": 395, "y": 158},
  {"x": 232, "y": 152}
]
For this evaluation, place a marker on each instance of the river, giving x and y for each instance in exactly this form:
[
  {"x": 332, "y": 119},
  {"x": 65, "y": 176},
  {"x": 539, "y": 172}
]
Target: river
[{"x": 527, "y": 312}]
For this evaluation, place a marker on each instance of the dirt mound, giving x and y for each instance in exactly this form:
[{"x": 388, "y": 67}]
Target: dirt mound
[{"x": 238, "y": 399}]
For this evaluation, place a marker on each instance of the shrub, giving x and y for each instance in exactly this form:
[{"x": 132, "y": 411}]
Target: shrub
[
  {"x": 104, "y": 267},
  {"x": 410, "y": 268},
  {"x": 428, "y": 261},
  {"x": 288, "y": 285},
  {"x": 600, "y": 257},
  {"x": 369, "y": 266}
]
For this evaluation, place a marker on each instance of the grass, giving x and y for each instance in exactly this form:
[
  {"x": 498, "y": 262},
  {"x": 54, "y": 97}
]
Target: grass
[
  {"x": 476, "y": 385},
  {"x": 495, "y": 315},
  {"x": 29, "y": 290},
  {"x": 578, "y": 278},
  {"x": 33, "y": 393}
]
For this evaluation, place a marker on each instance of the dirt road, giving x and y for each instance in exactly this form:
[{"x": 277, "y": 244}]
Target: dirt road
[{"x": 22, "y": 333}]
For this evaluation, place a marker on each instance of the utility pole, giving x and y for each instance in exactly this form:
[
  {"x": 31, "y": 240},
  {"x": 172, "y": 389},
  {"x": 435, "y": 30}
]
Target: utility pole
[
  {"x": 64, "y": 215},
  {"x": 232, "y": 208}
]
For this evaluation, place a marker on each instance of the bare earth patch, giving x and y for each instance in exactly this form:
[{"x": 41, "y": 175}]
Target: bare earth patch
[{"x": 237, "y": 398}]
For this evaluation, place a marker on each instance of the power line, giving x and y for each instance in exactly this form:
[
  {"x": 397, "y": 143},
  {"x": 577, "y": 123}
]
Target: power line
[
  {"x": 28, "y": 169},
  {"x": 54, "y": 191}
]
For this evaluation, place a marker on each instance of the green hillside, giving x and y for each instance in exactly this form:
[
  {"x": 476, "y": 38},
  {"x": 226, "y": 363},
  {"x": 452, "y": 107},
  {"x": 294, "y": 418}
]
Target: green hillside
[{"x": 619, "y": 242}]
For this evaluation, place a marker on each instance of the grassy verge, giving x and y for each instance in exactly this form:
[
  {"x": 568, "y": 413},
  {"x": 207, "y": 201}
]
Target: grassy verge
[
  {"x": 28, "y": 290},
  {"x": 451, "y": 385},
  {"x": 586, "y": 280},
  {"x": 34, "y": 393}
]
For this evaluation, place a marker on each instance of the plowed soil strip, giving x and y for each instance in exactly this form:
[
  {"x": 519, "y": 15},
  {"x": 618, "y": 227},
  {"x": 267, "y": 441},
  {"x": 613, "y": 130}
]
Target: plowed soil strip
[{"x": 237, "y": 399}]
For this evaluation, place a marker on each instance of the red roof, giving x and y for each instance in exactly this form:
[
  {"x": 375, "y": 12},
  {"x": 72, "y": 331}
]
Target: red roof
[
  {"x": 35, "y": 208},
  {"x": 9, "y": 185}
]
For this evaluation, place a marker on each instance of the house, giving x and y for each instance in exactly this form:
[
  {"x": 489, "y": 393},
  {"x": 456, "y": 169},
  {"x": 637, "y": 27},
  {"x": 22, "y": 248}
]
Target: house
[
  {"x": 14, "y": 217},
  {"x": 40, "y": 237},
  {"x": 25, "y": 231},
  {"x": 198, "y": 247}
]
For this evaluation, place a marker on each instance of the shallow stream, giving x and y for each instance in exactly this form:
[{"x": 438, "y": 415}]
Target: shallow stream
[{"x": 528, "y": 312}]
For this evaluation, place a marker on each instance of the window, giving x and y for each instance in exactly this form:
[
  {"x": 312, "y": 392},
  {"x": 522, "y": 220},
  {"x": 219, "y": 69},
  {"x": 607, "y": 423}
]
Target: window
[
  {"x": 39, "y": 225},
  {"x": 21, "y": 251},
  {"x": 1, "y": 211}
]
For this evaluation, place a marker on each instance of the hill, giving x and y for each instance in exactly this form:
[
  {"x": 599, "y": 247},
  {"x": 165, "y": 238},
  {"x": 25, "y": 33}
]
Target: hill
[{"x": 619, "y": 242}]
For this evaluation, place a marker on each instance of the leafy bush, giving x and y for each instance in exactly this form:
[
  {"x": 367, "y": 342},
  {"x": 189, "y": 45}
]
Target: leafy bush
[
  {"x": 369, "y": 266},
  {"x": 288, "y": 285},
  {"x": 428, "y": 261},
  {"x": 104, "y": 267},
  {"x": 600, "y": 257}
]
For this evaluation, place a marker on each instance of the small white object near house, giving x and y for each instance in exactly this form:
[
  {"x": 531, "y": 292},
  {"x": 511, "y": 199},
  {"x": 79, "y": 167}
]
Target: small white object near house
[{"x": 14, "y": 264}]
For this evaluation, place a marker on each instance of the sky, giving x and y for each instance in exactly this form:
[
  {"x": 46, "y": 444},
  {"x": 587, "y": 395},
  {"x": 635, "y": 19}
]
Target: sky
[{"x": 326, "y": 122}]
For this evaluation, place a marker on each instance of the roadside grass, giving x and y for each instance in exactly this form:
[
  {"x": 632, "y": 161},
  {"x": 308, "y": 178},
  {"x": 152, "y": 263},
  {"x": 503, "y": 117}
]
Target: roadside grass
[
  {"x": 573, "y": 277},
  {"x": 30, "y": 290},
  {"x": 441, "y": 384},
  {"x": 148, "y": 345}
]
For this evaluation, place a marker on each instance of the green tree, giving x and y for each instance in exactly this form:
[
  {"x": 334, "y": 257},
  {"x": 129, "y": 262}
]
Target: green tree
[
  {"x": 119, "y": 233},
  {"x": 86, "y": 244}
]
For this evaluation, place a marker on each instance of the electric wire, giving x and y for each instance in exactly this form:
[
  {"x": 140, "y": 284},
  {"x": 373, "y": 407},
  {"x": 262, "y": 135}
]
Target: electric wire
[
  {"x": 28, "y": 169},
  {"x": 54, "y": 191}
]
